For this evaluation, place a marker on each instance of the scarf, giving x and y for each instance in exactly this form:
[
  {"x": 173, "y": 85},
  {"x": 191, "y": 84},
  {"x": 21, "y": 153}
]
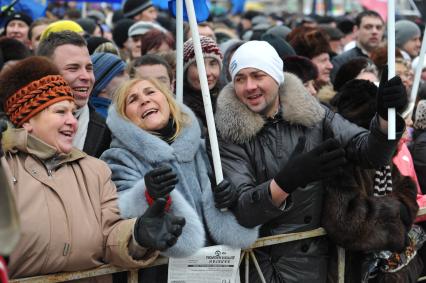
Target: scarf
[
  {"x": 166, "y": 133},
  {"x": 383, "y": 181},
  {"x": 83, "y": 116}
]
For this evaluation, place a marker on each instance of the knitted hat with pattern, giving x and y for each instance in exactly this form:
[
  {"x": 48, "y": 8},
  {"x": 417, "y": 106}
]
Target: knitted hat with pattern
[
  {"x": 105, "y": 66},
  {"x": 208, "y": 47},
  {"x": 36, "y": 96}
]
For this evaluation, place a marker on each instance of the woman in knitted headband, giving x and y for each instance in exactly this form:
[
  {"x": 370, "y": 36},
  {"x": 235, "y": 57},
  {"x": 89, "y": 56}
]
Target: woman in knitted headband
[
  {"x": 157, "y": 152},
  {"x": 192, "y": 89},
  {"x": 69, "y": 216}
]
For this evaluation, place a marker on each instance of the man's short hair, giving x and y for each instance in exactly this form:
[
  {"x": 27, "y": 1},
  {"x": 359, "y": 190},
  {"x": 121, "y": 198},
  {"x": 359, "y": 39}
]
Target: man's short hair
[
  {"x": 367, "y": 13},
  {"x": 48, "y": 46},
  {"x": 152, "y": 59}
]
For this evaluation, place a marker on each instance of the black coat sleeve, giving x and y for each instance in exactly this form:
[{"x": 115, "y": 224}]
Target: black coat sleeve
[
  {"x": 254, "y": 206},
  {"x": 368, "y": 149}
]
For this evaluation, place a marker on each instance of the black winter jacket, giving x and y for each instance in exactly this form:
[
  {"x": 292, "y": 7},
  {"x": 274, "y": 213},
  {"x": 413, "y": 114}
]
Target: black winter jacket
[{"x": 254, "y": 150}]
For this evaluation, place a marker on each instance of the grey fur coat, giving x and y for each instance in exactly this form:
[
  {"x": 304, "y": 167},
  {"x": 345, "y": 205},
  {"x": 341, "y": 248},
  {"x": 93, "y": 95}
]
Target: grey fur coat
[{"x": 134, "y": 152}]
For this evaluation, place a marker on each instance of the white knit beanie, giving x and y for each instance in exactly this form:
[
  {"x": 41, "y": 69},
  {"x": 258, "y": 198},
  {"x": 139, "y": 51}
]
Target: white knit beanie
[{"x": 260, "y": 55}]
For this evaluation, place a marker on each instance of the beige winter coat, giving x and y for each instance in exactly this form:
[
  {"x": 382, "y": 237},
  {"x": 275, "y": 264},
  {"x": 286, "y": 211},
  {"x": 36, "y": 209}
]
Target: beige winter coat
[{"x": 68, "y": 211}]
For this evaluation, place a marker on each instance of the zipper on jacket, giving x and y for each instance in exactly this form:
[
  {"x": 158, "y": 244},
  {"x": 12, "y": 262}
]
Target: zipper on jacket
[
  {"x": 49, "y": 172},
  {"x": 66, "y": 251}
]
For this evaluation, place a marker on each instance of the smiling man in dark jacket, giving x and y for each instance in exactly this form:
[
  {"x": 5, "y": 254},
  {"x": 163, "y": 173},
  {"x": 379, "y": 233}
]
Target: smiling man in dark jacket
[{"x": 277, "y": 145}]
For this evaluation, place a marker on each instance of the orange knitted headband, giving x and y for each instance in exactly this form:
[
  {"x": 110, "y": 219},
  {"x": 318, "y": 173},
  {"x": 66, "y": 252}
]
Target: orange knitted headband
[{"x": 36, "y": 96}]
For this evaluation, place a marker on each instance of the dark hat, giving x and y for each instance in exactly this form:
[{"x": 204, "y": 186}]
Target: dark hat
[
  {"x": 346, "y": 26},
  {"x": 281, "y": 31},
  {"x": 120, "y": 31},
  {"x": 94, "y": 41},
  {"x": 96, "y": 15},
  {"x": 116, "y": 16},
  {"x": 301, "y": 67},
  {"x": 356, "y": 102},
  {"x": 13, "y": 49},
  {"x": 18, "y": 16},
  {"x": 133, "y": 7},
  {"x": 309, "y": 42},
  {"x": 350, "y": 70},
  {"x": 88, "y": 24},
  {"x": 280, "y": 45},
  {"x": 333, "y": 33}
]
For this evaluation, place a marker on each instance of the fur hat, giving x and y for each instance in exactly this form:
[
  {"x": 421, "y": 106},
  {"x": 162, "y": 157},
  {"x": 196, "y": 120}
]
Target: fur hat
[
  {"x": 420, "y": 119},
  {"x": 208, "y": 47},
  {"x": 120, "y": 33},
  {"x": 30, "y": 86},
  {"x": 105, "y": 66},
  {"x": 309, "y": 42},
  {"x": 349, "y": 70},
  {"x": 302, "y": 67},
  {"x": 133, "y": 7},
  {"x": 404, "y": 31},
  {"x": 356, "y": 102}
]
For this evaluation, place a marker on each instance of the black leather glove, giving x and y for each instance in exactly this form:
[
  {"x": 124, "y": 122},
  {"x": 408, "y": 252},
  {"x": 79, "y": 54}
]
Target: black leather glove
[
  {"x": 391, "y": 94},
  {"x": 157, "y": 229},
  {"x": 160, "y": 181},
  {"x": 324, "y": 161},
  {"x": 225, "y": 194},
  {"x": 3, "y": 127}
]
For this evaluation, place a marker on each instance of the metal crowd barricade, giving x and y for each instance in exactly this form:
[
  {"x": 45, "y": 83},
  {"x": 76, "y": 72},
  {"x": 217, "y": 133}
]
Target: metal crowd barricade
[{"x": 246, "y": 255}]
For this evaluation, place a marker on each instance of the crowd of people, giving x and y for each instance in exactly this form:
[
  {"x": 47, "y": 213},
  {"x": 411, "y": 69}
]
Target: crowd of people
[{"x": 106, "y": 166}]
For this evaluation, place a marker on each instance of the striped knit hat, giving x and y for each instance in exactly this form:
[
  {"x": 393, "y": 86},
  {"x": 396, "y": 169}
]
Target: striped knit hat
[
  {"x": 35, "y": 97},
  {"x": 208, "y": 47},
  {"x": 105, "y": 66}
]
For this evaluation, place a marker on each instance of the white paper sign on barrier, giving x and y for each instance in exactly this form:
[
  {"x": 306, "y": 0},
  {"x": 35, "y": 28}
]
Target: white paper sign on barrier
[{"x": 214, "y": 264}]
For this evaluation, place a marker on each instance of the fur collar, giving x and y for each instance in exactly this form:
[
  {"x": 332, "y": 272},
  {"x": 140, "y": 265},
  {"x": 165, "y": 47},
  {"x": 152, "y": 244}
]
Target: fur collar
[
  {"x": 146, "y": 146},
  {"x": 237, "y": 123}
]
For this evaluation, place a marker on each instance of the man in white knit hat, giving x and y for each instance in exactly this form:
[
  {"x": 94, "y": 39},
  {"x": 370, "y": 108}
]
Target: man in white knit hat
[{"x": 278, "y": 144}]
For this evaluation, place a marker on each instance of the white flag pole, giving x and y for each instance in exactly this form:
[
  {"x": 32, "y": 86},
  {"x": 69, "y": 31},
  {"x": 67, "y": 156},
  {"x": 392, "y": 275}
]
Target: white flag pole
[
  {"x": 179, "y": 50},
  {"x": 205, "y": 91},
  {"x": 391, "y": 65},
  {"x": 415, "y": 88}
]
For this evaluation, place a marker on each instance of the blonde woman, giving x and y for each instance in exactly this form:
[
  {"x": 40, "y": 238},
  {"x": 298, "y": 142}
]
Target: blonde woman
[{"x": 157, "y": 151}]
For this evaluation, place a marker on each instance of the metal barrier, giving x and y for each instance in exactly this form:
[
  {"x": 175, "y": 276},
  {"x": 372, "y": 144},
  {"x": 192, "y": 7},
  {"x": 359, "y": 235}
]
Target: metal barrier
[{"x": 246, "y": 256}]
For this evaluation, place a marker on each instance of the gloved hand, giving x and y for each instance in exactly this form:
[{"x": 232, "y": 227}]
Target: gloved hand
[
  {"x": 3, "y": 127},
  {"x": 225, "y": 194},
  {"x": 391, "y": 94},
  {"x": 160, "y": 181},
  {"x": 324, "y": 161},
  {"x": 157, "y": 229}
]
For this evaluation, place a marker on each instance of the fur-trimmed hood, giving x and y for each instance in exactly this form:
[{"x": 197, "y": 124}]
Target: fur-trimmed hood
[{"x": 237, "y": 123}]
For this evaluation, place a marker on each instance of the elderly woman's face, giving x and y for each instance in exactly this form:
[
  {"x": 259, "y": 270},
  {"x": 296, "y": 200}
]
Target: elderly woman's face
[
  {"x": 55, "y": 125},
  {"x": 212, "y": 72},
  {"x": 147, "y": 106}
]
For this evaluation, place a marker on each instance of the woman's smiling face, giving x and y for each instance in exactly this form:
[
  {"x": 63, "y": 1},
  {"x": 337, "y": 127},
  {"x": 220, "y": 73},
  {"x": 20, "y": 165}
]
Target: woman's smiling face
[{"x": 147, "y": 106}]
